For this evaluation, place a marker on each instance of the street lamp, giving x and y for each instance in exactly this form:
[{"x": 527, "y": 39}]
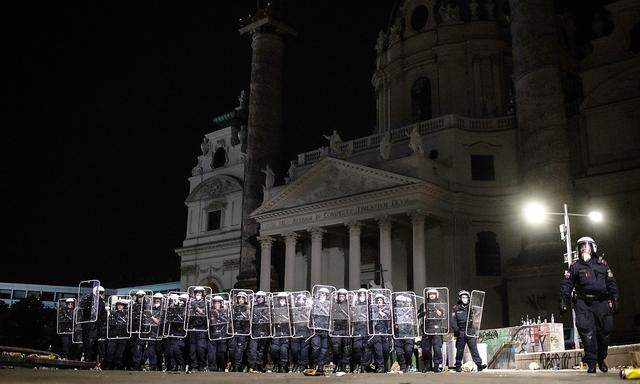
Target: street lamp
[{"x": 535, "y": 213}]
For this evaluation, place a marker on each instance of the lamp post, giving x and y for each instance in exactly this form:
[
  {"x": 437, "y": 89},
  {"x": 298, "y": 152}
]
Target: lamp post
[{"x": 536, "y": 212}]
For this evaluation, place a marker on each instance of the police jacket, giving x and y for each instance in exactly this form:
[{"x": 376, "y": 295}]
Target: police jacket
[
  {"x": 118, "y": 322},
  {"x": 197, "y": 316},
  {"x": 241, "y": 320},
  {"x": 592, "y": 280},
  {"x": 459, "y": 317}
]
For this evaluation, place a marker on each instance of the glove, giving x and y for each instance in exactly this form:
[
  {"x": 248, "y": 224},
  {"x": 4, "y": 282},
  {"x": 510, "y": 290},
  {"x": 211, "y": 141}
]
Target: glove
[
  {"x": 614, "y": 306},
  {"x": 563, "y": 306}
]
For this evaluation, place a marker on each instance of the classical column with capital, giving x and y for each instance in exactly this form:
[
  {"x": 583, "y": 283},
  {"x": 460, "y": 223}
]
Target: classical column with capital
[
  {"x": 265, "y": 262},
  {"x": 419, "y": 261},
  {"x": 290, "y": 240},
  {"x": 354, "y": 254},
  {"x": 316, "y": 255},
  {"x": 384, "y": 224}
]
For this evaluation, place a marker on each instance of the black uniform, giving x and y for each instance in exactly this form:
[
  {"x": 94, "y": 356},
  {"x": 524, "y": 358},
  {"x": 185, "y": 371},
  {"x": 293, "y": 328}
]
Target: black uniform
[
  {"x": 238, "y": 345},
  {"x": 153, "y": 350},
  {"x": 65, "y": 324},
  {"x": 594, "y": 287},
  {"x": 259, "y": 343},
  {"x": 431, "y": 345},
  {"x": 197, "y": 335},
  {"x": 380, "y": 344},
  {"x": 136, "y": 345},
  {"x": 459, "y": 326},
  {"x": 300, "y": 343},
  {"x": 118, "y": 328},
  {"x": 90, "y": 330},
  {"x": 320, "y": 341},
  {"x": 218, "y": 334},
  {"x": 341, "y": 342},
  {"x": 361, "y": 348},
  {"x": 281, "y": 331}
]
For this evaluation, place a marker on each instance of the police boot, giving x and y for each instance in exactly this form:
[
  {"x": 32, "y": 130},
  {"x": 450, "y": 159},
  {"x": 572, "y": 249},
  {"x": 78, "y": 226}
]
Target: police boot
[
  {"x": 347, "y": 368},
  {"x": 406, "y": 369},
  {"x": 427, "y": 366},
  {"x": 336, "y": 368},
  {"x": 458, "y": 368},
  {"x": 296, "y": 368},
  {"x": 603, "y": 366},
  {"x": 481, "y": 367},
  {"x": 591, "y": 367},
  {"x": 437, "y": 368},
  {"x": 380, "y": 369},
  {"x": 285, "y": 368}
]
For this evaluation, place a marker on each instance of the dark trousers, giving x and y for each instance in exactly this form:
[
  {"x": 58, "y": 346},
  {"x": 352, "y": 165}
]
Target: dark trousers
[
  {"x": 173, "y": 355},
  {"x": 319, "y": 348},
  {"x": 361, "y": 350},
  {"x": 216, "y": 355},
  {"x": 380, "y": 347},
  {"x": 115, "y": 354},
  {"x": 238, "y": 346},
  {"x": 136, "y": 347},
  {"x": 341, "y": 348},
  {"x": 595, "y": 323},
  {"x": 472, "y": 343},
  {"x": 89, "y": 341},
  {"x": 153, "y": 352},
  {"x": 67, "y": 348},
  {"x": 428, "y": 343},
  {"x": 300, "y": 352},
  {"x": 280, "y": 351},
  {"x": 197, "y": 350},
  {"x": 256, "y": 354},
  {"x": 404, "y": 352}
]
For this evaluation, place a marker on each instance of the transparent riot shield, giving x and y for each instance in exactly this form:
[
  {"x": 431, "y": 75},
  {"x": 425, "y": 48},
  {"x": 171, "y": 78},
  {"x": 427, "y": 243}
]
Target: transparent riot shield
[
  {"x": 196, "y": 309},
  {"x": 119, "y": 317},
  {"x": 301, "y": 303},
  {"x": 261, "y": 316},
  {"x": 280, "y": 318},
  {"x": 88, "y": 301},
  {"x": 359, "y": 313},
  {"x": 175, "y": 316},
  {"x": 321, "y": 307},
  {"x": 476, "y": 303},
  {"x": 380, "y": 312},
  {"x": 152, "y": 318},
  {"x": 241, "y": 300},
  {"x": 405, "y": 315},
  {"x": 76, "y": 337},
  {"x": 103, "y": 324},
  {"x": 137, "y": 307},
  {"x": 64, "y": 317},
  {"x": 339, "y": 317},
  {"x": 436, "y": 310},
  {"x": 218, "y": 316}
]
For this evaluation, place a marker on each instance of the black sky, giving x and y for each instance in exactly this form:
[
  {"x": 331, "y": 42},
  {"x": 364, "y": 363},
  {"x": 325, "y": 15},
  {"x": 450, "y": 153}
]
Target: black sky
[{"x": 109, "y": 102}]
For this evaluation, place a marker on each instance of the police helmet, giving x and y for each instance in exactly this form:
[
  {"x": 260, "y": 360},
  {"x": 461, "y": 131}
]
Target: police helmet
[
  {"x": 217, "y": 298},
  {"x": 70, "y": 300},
  {"x": 140, "y": 292},
  {"x": 157, "y": 295},
  {"x": 587, "y": 240}
]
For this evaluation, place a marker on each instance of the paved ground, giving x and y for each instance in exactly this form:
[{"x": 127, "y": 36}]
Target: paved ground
[{"x": 487, "y": 377}]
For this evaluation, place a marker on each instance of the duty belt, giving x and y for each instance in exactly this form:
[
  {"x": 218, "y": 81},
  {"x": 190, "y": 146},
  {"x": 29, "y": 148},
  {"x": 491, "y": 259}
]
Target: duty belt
[{"x": 590, "y": 297}]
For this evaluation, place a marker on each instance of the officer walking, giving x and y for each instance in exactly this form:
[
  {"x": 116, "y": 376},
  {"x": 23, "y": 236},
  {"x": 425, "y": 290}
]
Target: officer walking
[
  {"x": 459, "y": 326},
  {"x": 595, "y": 301},
  {"x": 434, "y": 315}
]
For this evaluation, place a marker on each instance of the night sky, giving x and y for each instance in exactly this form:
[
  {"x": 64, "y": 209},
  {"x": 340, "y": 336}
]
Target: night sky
[{"x": 109, "y": 102}]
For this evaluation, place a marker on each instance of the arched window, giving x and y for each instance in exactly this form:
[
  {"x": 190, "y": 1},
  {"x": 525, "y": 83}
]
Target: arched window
[
  {"x": 421, "y": 99},
  {"x": 219, "y": 158},
  {"x": 487, "y": 255}
]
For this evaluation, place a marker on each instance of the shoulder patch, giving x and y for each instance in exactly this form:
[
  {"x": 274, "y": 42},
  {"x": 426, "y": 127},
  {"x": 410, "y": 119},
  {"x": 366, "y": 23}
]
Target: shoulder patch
[
  {"x": 609, "y": 273},
  {"x": 567, "y": 275}
]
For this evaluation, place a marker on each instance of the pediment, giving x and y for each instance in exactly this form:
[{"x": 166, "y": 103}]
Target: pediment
[
  {"x": 214, "y": 187},
  {"x": 331, "y": 179}
]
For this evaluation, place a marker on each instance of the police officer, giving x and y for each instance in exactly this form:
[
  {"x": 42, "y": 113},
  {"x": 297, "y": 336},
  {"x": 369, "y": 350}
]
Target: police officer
[
  {"x": 302, "y": 333},
  {"x": 381, "y": 326},
  {"x": 216, "y": 354},
  {"x": 320, "y": 340},
  {"x": 153, "y": 350},
  {"x": 404, "y": 346},
  {"x": 341, "y": 343},
  {"x": 459, "y": 326},
  {"x": 241, "y": 324},
  {"x": 258, "y": 346},
  {"x": 197, "y": 324},
  {"x": 594, "y": 302},
  {"x": 136, "y": 345},
  {"x": 361, "y": 348},
  {"x": 65, "y": 324},
  {"x": 280, "y": 345},
  {"x": 175, "y": 318},
  {"x": 436, "y": 313},
  {"x": 118, "y": 335},
  {"x": 90, "y": 330}
]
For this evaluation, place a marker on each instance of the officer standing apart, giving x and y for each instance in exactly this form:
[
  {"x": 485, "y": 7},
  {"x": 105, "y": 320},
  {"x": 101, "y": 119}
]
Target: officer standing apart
[
  {"x": 459, "y": 325},
  {"x": 595, "y": 301}
]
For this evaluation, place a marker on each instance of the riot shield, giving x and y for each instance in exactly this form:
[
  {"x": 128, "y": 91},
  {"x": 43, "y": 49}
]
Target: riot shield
[
  {"x": 152, "y": 318},
  {"x": 359, "y": 313},
  {"x": 241, "y": 300},
  {"x": 321, "y": 307},
  {"x": 261, "y": 316},
  {"x": 280, "y": 319},
  {"x": 218, "y": 316},
  {"x": 76, "y": 337},
  {"x": 436, "y": 310},
  {"x": 196, "y": 309},
  {"x": 88, "y": 301},
  {"x": 137, "y": 307},
  {"x": 300, "y": 313},
  {"x": 405, "y": 315},
  {"x": 119, "y": 317},
  {"x": 64, "y": 317},
  {"x": 380, "y": 312},
  {"x": 339, "y": 317},
  {"x": 103, "y": 324},
  {"x": 476, "y": 303},
  {"x": 175, "y": 316}
]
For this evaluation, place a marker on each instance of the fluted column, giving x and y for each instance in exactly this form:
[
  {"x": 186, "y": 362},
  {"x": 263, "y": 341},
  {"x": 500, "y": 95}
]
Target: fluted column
[
  {"x": 290, "y": 240},
  {"x": 354, "y": 254},
  {"x": 266, "y": 243},
  {"x": 419, "y": 262},
  {"x": 384, "y": 224},
  {"x": 316, "y": 255}
]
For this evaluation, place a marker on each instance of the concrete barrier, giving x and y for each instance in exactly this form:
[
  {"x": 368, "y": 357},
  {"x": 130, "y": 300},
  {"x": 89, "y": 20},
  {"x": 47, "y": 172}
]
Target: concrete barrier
[{"x": 618, "y": 355}]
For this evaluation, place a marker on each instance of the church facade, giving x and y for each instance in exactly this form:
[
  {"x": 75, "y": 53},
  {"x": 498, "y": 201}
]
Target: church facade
[{"x": 434, "y": 196}]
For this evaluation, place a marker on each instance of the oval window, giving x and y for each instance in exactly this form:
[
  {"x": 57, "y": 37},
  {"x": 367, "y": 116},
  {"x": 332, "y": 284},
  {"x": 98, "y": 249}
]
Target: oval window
[{"x": 419, "y": 17}]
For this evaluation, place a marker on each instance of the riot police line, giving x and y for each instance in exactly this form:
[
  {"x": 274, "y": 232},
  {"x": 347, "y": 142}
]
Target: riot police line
[{"x": 238, "y": 331}]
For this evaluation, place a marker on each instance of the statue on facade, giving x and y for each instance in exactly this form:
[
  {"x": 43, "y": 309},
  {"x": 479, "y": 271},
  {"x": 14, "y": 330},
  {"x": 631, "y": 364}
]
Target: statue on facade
[
  {"x": 490, "y": 6},
  {"x": 242, "y": 101},
  {"x": 415, "y": 141},
  {"x": 291, "y": 172},
  {"x": 269, "y": 181},
  {"x": 335, "y": 142},
  {"x": 381, "y": 42},
  {"x": 205, "y": 146},
  {"x": 385, "y": 146},
  {"x": 474, "y": 7}
]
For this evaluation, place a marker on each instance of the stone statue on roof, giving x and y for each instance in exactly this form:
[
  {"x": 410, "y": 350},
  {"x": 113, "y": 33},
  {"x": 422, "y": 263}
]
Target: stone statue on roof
[
  {"x": 335, "y": 141},
  {"x": 415, "y": 141},
  {"x": 205, "y": 146}
]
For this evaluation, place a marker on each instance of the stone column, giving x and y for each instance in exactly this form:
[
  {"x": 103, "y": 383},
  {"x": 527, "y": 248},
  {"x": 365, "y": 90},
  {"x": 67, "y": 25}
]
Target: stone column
[
  {"x": 290, "y": 240},
  {"x": 316, "y": 255},
  {"x": 354, "y": 254},
  {"x": 419, "y": 261},
  {"x": 384, "y": 224},
  {"x": 265, "y": 262}
]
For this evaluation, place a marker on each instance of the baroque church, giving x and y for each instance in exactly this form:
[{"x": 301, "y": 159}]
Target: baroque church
[{"x": 480, "y": 108}]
